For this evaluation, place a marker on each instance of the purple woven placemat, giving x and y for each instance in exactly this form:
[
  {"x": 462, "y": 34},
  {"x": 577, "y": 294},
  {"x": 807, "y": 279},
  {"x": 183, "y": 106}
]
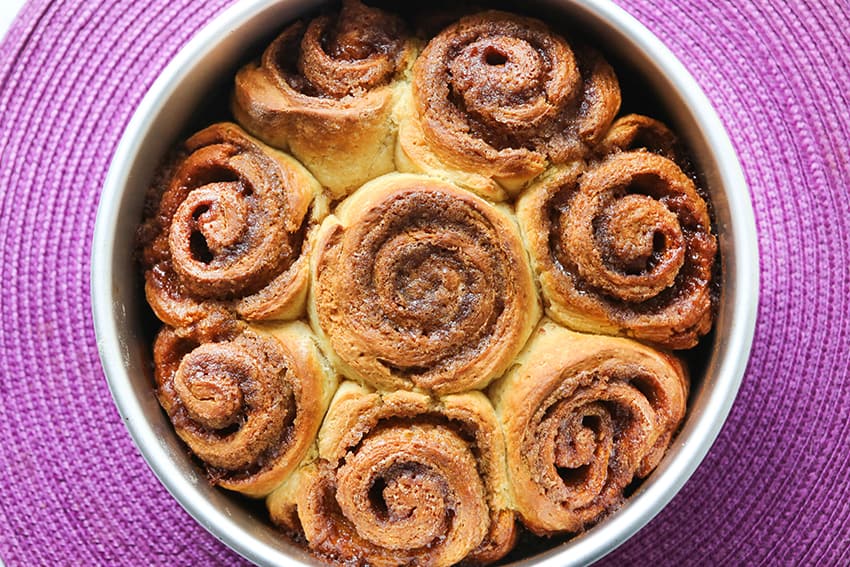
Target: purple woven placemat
[{"x": 774, "y": 489}]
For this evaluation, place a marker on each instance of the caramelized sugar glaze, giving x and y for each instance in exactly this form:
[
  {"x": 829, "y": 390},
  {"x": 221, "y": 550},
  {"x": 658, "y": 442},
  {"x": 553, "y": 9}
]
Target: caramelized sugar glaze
[{"x": 426, "y": 301}]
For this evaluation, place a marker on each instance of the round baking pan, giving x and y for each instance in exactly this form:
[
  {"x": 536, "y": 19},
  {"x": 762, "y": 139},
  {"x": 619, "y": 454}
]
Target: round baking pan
[{"x": 203, "y": 67}]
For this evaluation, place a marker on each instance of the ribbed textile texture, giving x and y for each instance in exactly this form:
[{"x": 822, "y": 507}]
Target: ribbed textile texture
[{"x": 774, "y": 489}]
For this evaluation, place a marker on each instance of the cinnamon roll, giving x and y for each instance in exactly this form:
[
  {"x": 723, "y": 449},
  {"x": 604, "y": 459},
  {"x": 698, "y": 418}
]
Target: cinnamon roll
[
  {"x": 624, "y": 248},
  {"x": 497, "y": 97},
  {"x": 227, "y": 231},
  {"x": 248, "y": 402},
  {"x": 583, "y": 415},
  {"x": 325, "y": 91},
  {"x": 417, "y": 283},
  {"x": 403, "y": 479}
]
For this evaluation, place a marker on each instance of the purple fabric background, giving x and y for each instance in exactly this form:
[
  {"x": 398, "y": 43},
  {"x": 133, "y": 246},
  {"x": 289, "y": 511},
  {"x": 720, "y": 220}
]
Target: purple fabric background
[{"x": 774, "y": 489}]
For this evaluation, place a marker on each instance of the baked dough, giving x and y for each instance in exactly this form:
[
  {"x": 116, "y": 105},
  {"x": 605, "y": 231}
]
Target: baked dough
[
  {"x": 419, "y": 284},
  {"x": 497, "y": 97},
  {"x": 247, "y": 401},
  {"x": 624, "y": 248},
  {"x": 400, "y": 478},
  {"x": 228, "y": 231},
  {"x": 583, "y": 415},
  {"x": 326, "y": 91}
]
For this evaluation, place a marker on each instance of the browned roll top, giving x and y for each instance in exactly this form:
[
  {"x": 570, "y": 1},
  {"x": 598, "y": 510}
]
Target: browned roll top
[
  {"x": 426, "y": 281},
  {"x": 502, "y": 94},
  {"x": 325, "y": 91},
  {"x": 583, "y": 415},
  {"x": 403, "y": 480},
  {"x": 418, "y": 283},
  {"x": 247, "y": 402},
  {"x": 634, "y": 132},
  {"x": 625, "y": 247},
  {"x": 228, "y": 230},
  {"x": 226, "y": 400},
  {"x": 358, "y": 49}
]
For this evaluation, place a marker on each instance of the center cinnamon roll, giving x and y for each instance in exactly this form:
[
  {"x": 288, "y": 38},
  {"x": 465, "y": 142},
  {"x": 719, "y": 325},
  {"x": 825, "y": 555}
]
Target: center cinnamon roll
[{"x": 420, "y": 284}]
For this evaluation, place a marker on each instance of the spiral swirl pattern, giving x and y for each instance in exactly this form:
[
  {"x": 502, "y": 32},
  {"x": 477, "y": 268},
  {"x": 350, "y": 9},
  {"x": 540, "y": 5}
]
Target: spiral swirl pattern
[
  {"x": 502, "y": 95},
  {"x": 358, "y": 51},
  {"x": 247, "y": 403},
  {"x": 402, "y": 479},
  {"x": 418, "y": 283},
  {"x": 227, "y": 231},
  {"x": 584, "y": 415},
  {"x": 325, "y": 90},
  {"x": 624, "y": 248}
]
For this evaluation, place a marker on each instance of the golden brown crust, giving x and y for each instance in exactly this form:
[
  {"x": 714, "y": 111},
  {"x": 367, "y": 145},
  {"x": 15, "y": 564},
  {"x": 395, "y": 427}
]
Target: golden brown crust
[
  {"x": 229, "y": 231},
  {"x": 502, "y": 96},
  {"x": 403, "y": 479},
  {"x": 583, "y": 415},
  {"x": 417, "y": 283},
  {"x": 623, "y": 248},
  {"x": 634, "y": 132},
  {"x": 325, "y": 91},
  {"x": 248, "y": 402}
]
